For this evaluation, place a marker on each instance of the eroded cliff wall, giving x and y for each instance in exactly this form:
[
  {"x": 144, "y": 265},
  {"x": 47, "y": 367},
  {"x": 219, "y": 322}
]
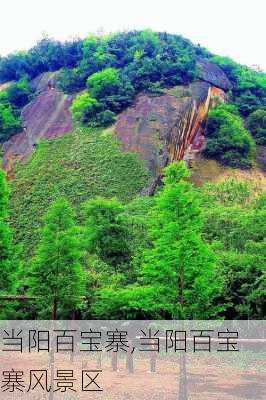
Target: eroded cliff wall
[
  {"x": 47, "y": 116},
  {"x": 160, "y": 129},
  {"x": 168, "y": 127}
]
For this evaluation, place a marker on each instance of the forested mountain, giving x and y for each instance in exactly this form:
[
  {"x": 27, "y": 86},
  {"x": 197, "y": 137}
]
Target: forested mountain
[{"x": 99, "y": 139}]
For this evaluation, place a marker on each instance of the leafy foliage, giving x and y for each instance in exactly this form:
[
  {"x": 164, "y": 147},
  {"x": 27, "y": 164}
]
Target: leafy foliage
[
  {"x": 180, "y": 268},
  {"x": 106, "y": 231},
  {"x": 235, "y": 225},
  {"x": 79, "y": 166},
  {"x": 227, "y": 139},
  {"x": 6, "y": 248},
  {"x": 159, "y": 257},
  {"x": 47, "y": 55},
  {"x": 57, "y": 263},
  {"x": 256, "y": 123},
  {"x": 19, "y": 93},
  {"x": 84, "y": 107},
  {"x": 249, "y": 86},
  {"x": 178, "y": 277},
  {"x": 9, "y": 121}
]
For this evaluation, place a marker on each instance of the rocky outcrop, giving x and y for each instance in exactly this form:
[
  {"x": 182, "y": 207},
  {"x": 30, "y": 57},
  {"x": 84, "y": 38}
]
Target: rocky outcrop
[
  {"x": 161, "y": 129},
  {"x": 47, "y": 116},
  {"x": 211, "y": 73},
  {"x": 168, "y": 127}
]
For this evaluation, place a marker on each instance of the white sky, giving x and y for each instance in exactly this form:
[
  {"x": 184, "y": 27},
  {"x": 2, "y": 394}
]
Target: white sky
[{"x": 236, "y": 28}]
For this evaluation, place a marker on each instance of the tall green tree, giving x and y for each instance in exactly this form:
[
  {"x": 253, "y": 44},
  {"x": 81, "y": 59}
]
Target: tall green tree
[
  {"x": 179, "y": 276},
  {"x": 106, "y": 232},
  {"x": 6, "y": 248},
  {"x": 57, "y": 277},
  {"x": 180, "y": 267}
]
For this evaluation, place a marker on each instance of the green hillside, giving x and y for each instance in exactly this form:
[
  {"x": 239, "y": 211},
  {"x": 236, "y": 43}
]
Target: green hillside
[
  {"x": 81, "y": 165},
  {"x": 195, "y": 248}
]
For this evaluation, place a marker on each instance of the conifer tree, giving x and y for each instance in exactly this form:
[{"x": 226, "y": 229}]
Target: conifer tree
[
  {"x": 5, "y": 238},
  {"x": 179, "y": 271},
  {"x": 57, "y": 278},
  {"x": 106, "y": 232}
]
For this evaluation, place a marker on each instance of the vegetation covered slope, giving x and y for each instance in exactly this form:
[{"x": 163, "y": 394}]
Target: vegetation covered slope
[
  {"x": 185, "y": 252},
  {"x": 112, "y": 70},
  {"x": 84, "y": 164}
]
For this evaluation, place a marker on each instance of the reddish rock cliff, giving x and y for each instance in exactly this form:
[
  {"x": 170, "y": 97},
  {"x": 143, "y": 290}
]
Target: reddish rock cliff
[
  {"x": 46, "y": 116},
  {"x": 161, "y": 129},
  {"x": 169, "y": 127}
]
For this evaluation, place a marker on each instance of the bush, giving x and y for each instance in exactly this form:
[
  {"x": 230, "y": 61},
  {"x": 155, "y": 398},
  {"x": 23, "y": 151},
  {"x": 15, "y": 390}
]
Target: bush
[
  {"x": 227, "y": 139},
  {"x": 111, "y": 88},
  {"x": 103, "y": 83},
  {"x": 9, "y": 122},
  {"x": 256, "y": 123},
  {"x": 71, "y": 80},
  {"x": 19, "y": 93},
  {"x": 105, "y": 118},
  {"x": 249, "y": 86},
  {"x": 84, "y": 107}
]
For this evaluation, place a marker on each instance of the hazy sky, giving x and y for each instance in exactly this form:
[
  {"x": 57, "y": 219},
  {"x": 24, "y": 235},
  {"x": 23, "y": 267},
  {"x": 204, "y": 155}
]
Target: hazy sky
[{"x": 236, "y": 28}]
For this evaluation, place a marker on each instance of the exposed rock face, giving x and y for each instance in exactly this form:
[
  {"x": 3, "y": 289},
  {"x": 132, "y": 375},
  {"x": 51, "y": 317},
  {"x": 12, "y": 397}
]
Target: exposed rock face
[
  {"x": 211, "y": 73},
  {"x": 161, "y": 129},
  {"x": 46, "y": 116},
  {"x": 169, "y": 127}
]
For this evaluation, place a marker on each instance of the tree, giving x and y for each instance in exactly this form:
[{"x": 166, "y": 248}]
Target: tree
[
  {"x": 249, "y": 86},
  {"x": 105, "y": 118},
  {"x": 71, "y": 80},
  {"x": 227, "y": 139},
  {"x": 244, "y": 274},
  {"x": 19, "y": 93},
  {"x": 256, "y": 123},
  {"x": 6, "y": 248},
  {"x": 57, "y": 278},
  {"x": 9, "y": 122},
  {"x": 103, "y": 83},
  {"x": 106, "y": 232},
  {"x": 111, "y": 88},
  {"x": 235, "y": 225},
  {"x": 179, "y": 276},
  {"x": 85, "y": 107},
  {"x": 180, "y": 270}
]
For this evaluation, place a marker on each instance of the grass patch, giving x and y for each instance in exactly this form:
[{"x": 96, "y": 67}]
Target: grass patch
[{"x": 81, "y": 165}]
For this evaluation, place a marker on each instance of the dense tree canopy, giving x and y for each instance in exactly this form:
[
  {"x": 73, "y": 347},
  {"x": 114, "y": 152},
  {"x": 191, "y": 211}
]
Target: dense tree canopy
[
  {"x": 57, "y": 264},
  {"x": 9, "y": 120},
  {"x": 227, "y": 139},
  {"x": 249, "y": 86},
  {"x": 256, "y": 123},
  {"x": 113, "y": 69},
  {"x": 186, "y": 252}
]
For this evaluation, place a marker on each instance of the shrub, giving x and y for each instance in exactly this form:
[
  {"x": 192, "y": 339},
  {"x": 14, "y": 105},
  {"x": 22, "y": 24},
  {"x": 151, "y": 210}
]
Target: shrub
[
  {"x": 227, "y": 139},
  {"x": 105, "y": 118},
  {"x": 71, "y": 80},
  {"x": 19, "y": 93},
  {"x": 103, "y": 83},
  {"x": 9, "y": 121},
  {"x": 84, "y": 107},
  {"x": 256, "y": 123}
]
